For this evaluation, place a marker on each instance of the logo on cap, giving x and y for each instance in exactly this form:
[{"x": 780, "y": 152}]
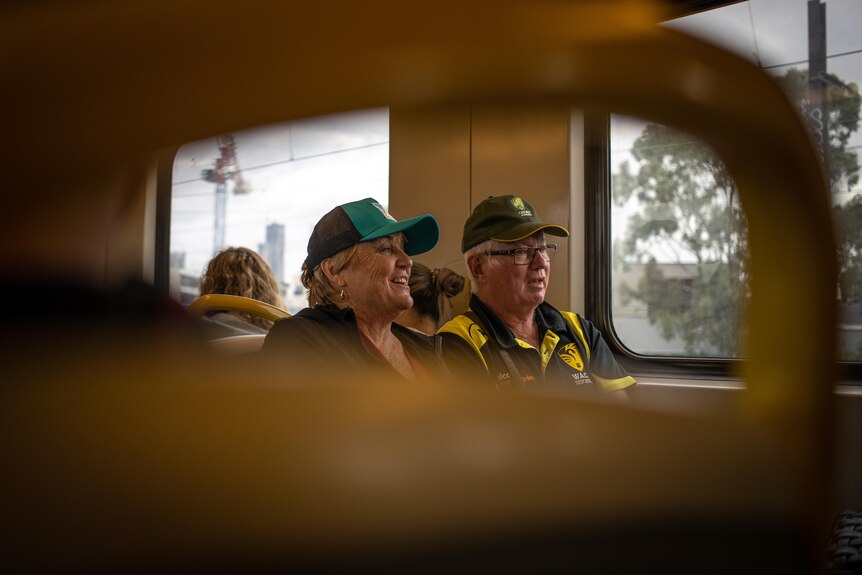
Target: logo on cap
[
  {"x": 522, "y": 209},
  {"x": 571, "y": 356},
  {"x": 383, "y": 211}
]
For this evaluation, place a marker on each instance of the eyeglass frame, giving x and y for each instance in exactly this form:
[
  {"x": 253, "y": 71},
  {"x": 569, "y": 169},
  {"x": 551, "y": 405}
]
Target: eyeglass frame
[{"x": 542, "y": 250}]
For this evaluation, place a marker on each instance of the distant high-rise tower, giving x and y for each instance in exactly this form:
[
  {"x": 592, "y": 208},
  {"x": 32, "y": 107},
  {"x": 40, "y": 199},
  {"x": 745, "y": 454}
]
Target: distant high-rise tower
[
  {"x": 273, "y": 249},
  {"x": 178, "y": 260}
]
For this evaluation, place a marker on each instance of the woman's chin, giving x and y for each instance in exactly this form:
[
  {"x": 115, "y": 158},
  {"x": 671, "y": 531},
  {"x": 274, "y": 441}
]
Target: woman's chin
[{"x": 405, "y": 303}]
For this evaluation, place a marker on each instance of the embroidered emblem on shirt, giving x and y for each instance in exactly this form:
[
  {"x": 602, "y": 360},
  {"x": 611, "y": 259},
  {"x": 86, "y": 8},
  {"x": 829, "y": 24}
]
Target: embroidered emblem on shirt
[
  {"x": 570, "y": 354},
  {"x": 505, "y": 381}
]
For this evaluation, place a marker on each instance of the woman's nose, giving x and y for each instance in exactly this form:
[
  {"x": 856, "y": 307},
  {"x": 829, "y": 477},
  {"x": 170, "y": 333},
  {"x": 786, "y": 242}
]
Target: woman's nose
[{"x": 403, "y": 259}]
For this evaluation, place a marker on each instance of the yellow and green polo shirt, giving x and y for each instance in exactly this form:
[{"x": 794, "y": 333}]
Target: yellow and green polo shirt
[{"x": 572, "y": 352}]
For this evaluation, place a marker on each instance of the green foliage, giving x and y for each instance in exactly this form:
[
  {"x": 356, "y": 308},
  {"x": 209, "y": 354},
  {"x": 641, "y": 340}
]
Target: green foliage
[
  {"x": 690, "y": 234},
  {"x": 842, "y": 110},
  {"x": 848, "y": 217}
]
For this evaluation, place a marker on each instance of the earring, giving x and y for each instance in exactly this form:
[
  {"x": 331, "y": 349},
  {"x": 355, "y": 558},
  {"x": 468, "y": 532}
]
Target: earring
[{"x": 343, "y": 295}]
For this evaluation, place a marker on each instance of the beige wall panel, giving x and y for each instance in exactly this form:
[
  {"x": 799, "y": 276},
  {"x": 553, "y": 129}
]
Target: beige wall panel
[
  {"x": 577, "y": 216},
  {"x": 429, "y": 172},
  {"x": 130, "y": 242},
  {"x": 525, "y": 151}
]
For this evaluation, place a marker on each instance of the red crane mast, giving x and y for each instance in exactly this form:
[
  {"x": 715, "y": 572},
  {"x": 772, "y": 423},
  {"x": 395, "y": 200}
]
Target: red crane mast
[{"x": 226, "y": 168}]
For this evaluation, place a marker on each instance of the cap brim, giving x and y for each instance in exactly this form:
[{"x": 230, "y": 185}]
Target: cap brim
[
  {"x": 526, "y": 230},
  {"x": 421, "y": 232}
]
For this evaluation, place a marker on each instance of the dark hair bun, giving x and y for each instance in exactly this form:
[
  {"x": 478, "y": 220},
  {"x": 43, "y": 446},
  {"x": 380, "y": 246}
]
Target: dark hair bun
[{"x": 449, "y": 282}]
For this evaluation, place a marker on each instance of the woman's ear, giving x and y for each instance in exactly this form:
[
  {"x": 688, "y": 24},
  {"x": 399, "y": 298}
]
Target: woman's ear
[{"x": 335, "y": 278}]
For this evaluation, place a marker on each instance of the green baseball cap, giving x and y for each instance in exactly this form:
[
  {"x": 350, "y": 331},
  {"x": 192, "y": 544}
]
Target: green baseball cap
[
  {"x": 363, "y": 221},
  {"x": 505, "y": 219}
]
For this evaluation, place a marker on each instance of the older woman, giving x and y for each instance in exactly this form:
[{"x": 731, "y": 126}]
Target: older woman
[{"x": 357, "y": 272}]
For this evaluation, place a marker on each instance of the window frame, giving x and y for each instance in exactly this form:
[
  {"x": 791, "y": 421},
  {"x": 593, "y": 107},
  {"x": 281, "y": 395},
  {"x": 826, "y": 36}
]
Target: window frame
[
  {"x": 164, "y": 195},
  {"x": 597, "y": 257},
  {"x": 597, "y": 244},
  {"x": 164, "y": 189},
  {"x": 680, "y": 8},
  {"x": 598, "y": 265},
  {"x": 597, "y": 207}
]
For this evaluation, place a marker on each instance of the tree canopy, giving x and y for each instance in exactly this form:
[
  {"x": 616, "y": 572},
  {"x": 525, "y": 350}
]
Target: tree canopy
[
  {"x": 842, "y": 111},
  {"x": 689, "y": 233}
]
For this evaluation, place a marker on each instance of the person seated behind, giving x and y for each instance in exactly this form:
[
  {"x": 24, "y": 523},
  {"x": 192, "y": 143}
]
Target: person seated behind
[
  {"x": 357, "y": 271},
  {"x": 510, "y": 334},
  {"x": 242, "y": 272},
  {"x": 432, "y": 292}
]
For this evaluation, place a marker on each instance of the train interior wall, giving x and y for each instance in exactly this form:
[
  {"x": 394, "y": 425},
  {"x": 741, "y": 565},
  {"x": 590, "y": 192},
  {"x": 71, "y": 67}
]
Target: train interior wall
[{"x": 445, "y": 160}]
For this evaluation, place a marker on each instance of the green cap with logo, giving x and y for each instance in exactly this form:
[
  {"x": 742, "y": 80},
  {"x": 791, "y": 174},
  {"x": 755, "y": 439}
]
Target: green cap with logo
[
  {"x": 363, "y": 221},
  {"x": 505, "y": 219}
]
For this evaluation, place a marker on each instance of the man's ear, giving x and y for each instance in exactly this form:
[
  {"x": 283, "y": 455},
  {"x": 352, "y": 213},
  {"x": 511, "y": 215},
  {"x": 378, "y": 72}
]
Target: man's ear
[
  {"x": 334, "y": 278},
  {"x": 477, "y": 268}
]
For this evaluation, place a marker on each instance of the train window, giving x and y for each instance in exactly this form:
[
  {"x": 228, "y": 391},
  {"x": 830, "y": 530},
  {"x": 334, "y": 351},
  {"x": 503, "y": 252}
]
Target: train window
[
  {"x": 265, "y": 189},
  {"x": 679, "y": 244},
  {"x": 678, "y": 271}
]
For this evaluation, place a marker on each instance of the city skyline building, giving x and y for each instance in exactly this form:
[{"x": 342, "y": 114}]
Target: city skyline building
[{"x": 272, "y": 250}]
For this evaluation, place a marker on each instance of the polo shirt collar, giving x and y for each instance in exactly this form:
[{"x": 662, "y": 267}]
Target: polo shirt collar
[{"x": 502, "y": 335}]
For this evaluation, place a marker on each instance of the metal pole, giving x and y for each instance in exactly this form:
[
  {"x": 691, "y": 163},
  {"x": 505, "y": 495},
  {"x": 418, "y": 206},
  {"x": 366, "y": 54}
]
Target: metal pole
[{"x": 818, "y": 118}]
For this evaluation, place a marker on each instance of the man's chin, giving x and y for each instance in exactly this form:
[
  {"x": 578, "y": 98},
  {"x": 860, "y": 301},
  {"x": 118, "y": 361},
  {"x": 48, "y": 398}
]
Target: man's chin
[
  {"x": 534, "y": 299},
  {"x": 538, "y": 291}
]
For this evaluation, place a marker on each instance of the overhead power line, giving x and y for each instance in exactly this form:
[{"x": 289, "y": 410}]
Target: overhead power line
[
  {"x": 828, "y": 56},
  {"x": 295, "y": 159},
  {"x": 754, "y": 35}
]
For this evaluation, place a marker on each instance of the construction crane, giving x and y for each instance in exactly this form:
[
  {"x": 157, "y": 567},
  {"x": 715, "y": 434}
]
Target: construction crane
[{"x": 226, "y": 168}]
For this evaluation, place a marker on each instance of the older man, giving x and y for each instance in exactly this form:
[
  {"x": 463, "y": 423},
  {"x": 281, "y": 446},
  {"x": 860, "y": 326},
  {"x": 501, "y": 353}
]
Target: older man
[{"x": 510, "y": 333}]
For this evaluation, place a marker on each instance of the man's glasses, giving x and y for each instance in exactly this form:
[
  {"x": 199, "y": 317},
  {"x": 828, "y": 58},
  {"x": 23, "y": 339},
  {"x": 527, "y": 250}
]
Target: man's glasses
[{"x": 525, "y": 255}]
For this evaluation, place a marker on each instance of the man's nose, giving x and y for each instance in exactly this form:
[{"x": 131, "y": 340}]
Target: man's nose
[{"x": 539, "y": 260}]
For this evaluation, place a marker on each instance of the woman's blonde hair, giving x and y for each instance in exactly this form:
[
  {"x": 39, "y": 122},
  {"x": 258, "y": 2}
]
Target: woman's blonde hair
[
  {"x": 321, "y": 291},
  {"x": 242, "y": 272}
]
